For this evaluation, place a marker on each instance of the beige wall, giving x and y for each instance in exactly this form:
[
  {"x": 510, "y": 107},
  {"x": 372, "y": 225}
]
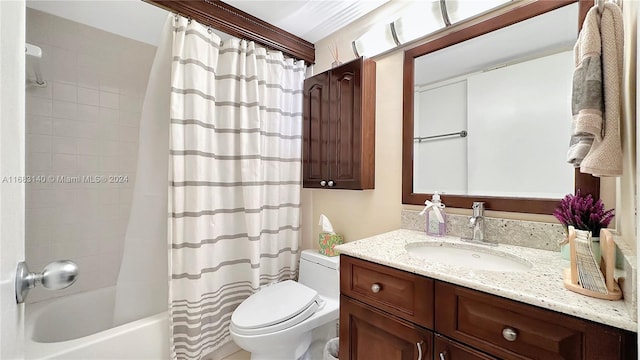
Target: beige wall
[
  {"x": 626, "y": 202},
  {"x": 358, "y": 214}
]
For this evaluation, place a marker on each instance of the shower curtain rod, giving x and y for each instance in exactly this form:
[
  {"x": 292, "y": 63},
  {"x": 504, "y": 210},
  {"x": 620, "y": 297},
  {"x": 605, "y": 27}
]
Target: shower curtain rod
[{"x": 228, "y": 19}]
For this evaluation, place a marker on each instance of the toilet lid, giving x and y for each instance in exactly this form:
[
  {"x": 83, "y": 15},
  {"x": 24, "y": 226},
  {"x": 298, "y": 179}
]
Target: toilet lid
[{"x": 287, "y": 302}]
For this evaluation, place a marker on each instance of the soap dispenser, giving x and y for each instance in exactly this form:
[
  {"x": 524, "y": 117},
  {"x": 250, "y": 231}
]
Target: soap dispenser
[{"x": 436, "y": 218}]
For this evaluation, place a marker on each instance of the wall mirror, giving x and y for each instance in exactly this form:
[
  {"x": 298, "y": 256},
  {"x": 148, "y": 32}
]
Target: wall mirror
[{"x": 487, "y": 112}]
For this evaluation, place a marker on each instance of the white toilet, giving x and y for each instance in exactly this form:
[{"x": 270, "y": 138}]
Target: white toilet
[{"x": 278, "y": 321}]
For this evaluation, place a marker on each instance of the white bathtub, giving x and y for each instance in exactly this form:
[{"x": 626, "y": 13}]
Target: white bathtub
[{"x": 80, "y": 327}]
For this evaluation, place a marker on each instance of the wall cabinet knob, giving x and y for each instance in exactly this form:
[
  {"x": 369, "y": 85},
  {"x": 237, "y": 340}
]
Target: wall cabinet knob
[
  {"x": 375, "y": 288},
  {"x": 331, "y": 183},
  {"x": 509, "y": 334},
  {"x": 323, "y": 183}
]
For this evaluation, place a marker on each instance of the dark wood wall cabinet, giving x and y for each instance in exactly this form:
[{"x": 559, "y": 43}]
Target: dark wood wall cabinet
[
  {"x": 389, "y": 314},
  {"x": 339, "y": 127}
]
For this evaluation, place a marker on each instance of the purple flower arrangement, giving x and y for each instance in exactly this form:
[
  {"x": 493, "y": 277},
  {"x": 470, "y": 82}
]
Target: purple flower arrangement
[{"x": 583, "y": 213}]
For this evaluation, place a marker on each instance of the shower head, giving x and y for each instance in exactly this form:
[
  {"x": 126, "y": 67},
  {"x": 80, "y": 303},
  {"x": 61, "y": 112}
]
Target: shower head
[
  {"x": 33, "y": 50},
  {"x": 34, "y": 54}
]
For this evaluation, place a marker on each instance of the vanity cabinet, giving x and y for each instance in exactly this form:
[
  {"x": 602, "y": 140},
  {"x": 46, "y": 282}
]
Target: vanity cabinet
[
  {"x": 339, "y": 127},
  {"x": 385, "y": 310}
]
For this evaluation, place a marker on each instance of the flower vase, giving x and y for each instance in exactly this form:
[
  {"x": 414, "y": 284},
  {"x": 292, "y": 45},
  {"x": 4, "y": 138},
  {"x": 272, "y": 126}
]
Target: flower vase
[{"x": 583, "y": 235}]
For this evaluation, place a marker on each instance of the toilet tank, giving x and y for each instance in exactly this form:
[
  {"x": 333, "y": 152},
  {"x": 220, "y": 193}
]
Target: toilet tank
[{"x": 320, "y": 273}]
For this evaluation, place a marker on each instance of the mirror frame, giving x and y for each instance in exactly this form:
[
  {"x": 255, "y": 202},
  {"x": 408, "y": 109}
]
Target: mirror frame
[{"x": 585, "y": 182}]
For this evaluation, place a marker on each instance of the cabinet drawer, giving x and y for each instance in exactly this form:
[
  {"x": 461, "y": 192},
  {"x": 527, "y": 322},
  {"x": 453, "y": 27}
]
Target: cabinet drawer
[
  {"x": 445, "y": 349},
  {"x": 406, "y": 295},
  {"x": 513, "y": 330}
]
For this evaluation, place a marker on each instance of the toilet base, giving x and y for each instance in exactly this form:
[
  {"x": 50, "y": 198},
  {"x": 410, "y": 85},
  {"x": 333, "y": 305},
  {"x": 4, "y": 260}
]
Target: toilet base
[
  {"x": 282, "y": 353},
  {"x": 310, "y": 345}
]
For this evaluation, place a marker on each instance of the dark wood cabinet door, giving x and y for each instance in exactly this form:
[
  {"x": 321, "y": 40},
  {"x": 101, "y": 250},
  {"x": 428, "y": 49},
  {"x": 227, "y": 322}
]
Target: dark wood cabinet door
[
  {"x": 316, "y": 124},
  {"x": 445, "y": 349},
  {"x": 339, "y": 127},
  {"x": 353, "y": 102},
  {"x": 370, "y": 334},
  {"x": 345, "y": 137}
]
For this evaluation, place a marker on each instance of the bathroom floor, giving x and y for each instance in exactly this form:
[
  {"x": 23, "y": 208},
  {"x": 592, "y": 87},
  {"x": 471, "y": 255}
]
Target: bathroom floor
[
  {"x": 240, "y": 355},
  {"x": 316, "y": 352}
]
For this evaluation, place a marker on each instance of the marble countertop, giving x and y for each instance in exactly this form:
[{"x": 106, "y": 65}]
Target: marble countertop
[{"x": 542, "y": 285}]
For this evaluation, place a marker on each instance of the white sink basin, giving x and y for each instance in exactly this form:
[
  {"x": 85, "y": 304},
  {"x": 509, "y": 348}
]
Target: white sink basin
[{"x": 467, "y": 256}]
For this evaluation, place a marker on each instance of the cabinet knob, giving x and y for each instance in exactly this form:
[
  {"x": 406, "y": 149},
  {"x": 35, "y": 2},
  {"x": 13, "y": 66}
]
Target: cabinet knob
[
  {"x": 375, "y": 288},
  {"x": 323, "y": 183},
  {"x": 509, "y": 334},
  {"x": 331, "y": 183},
  {"x": 443, "y": 355}
]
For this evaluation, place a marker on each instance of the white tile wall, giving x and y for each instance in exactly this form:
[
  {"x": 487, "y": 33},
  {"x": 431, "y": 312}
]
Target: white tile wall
[{"x": 84, "y": 123}]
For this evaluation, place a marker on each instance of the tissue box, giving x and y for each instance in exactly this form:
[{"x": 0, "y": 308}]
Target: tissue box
[{"x": 327, "y": 243}]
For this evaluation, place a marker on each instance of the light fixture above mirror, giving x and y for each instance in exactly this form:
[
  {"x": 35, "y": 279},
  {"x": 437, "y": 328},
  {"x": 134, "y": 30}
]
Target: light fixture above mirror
[{"x": 417, "y": 20}]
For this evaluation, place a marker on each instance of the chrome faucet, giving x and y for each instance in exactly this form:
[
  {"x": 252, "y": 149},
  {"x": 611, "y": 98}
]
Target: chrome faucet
[{"x": 477, "y": 221}]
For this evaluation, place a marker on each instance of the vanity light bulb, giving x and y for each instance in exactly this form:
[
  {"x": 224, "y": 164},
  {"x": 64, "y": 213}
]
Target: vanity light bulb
[
  {"x": 459, "y": 10},
  {"x": 418, "y": 20},
  {"x": 375, "y": 41}
]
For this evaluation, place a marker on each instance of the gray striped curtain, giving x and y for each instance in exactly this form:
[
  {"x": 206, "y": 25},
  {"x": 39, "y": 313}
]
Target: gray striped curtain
[{"x": 236, "y": 125}]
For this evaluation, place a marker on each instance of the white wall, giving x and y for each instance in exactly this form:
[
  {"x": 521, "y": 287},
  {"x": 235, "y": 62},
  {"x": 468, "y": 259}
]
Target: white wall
[
  {"x": 12, "y": 19},
  {"x": 122, "y": 17},
  {"x": 84, "y": 123},
  {"x": 518, "y": 139}
]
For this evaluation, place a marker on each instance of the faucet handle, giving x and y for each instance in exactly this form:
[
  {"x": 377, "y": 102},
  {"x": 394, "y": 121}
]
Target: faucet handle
[{"x": 478, "y": 208}]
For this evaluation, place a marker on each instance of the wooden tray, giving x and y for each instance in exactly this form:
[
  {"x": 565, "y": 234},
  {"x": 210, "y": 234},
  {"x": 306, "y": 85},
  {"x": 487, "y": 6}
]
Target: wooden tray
[{"x": 607, "y": 267}]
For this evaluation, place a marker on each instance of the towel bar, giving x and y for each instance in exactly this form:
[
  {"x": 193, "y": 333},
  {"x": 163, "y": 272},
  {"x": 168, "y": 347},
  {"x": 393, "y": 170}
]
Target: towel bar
[{"x": 462, "y": 133}]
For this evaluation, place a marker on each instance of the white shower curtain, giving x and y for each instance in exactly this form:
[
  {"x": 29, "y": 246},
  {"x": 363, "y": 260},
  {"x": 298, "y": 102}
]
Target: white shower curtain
[
  {"x": 236, "y": 125},
  {"x": 142, "y": 288}
]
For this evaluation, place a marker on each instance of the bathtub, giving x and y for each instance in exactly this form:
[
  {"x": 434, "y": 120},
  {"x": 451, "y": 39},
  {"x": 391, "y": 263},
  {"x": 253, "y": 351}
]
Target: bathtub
[{"x": 80, "y": 327}]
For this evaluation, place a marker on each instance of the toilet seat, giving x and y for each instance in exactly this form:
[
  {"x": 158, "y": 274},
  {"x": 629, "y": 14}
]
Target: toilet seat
[{"x": 275, "y": 307}]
